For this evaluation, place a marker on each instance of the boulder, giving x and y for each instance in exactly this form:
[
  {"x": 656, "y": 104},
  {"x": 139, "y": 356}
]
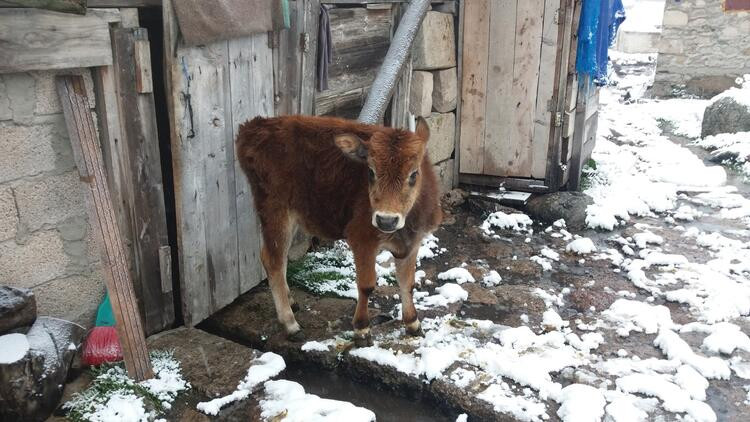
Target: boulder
[
  {"x": 444, "y": 171},
  {"x": 442, "y": 136},
  {"x": 435, "y": 43},
  {"x": 570, "y": 206},
  {"x": 17, "y": 308},
  {"x": 420, "y": 95},
  {"x": 34, "y": 367},
  {"x": 725, "y": 115},
  {"x": 444, "y": 90}
]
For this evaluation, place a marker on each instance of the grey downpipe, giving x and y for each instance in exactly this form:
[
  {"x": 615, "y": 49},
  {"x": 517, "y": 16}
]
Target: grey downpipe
[{"x": 386, "y": 79}]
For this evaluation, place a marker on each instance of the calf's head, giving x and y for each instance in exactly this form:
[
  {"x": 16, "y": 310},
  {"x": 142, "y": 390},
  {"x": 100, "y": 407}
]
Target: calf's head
[{"x": 393, "y": 158}]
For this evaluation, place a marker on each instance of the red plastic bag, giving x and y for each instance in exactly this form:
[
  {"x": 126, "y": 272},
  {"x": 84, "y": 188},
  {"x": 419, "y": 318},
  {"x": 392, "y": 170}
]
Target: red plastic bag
[{"x": 101, "y": 345}]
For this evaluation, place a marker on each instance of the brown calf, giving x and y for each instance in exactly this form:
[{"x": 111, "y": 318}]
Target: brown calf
[{"x": 371, "y": 185}]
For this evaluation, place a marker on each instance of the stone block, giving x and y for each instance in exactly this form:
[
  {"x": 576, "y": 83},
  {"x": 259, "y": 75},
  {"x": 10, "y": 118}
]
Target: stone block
[
  {"x": 435, "y": 44},
  {"x": 17, "y": 309},
  {"x": 41, "y": 258},
  {"x": 675, "y": 18},
  {"x": 442, "y": 136},
  {"x": 420, "y": 96},
  {"x": 47, "y": 100},
  {"x": 444, "y": 172},
  {"x": 50, "y": 200},
  {"x": 6, "y": 113},
  {"x": 26, "y": 150},
  {"x": 8, "y": 215},
  {"x": 671, "y": 46},
  {"x": 445, "y": 90},
  {"x": 19, "y": 88},
  {"x": 74, "y": 298}
]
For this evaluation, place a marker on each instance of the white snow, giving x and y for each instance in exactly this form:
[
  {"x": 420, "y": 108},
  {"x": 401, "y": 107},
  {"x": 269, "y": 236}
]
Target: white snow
[
  {"x": 581, "y": 403},
  {"x": 552, "y": 320},
  {"x": 287, "y": 400},
  {"x": 316, "y": 346},
  {"x": 13, "y": 347},
  {"x": 581, "y": 246},
  {"x": 646, "y": 238},
  {"x": 491, "y": 279},
  {"x": 677, "y": 349},
  {"x": 674, "y": 398},
  {"x": 446, "y": 294},
  {"x": 632, "y": 315},
  {"x": 266, "y": 366},
  {"x": 462, "y": 417},
  {"x": 120, "y": 408},
  {"x": 459, "y": 274},
  {"x": 501, "y": 220}
]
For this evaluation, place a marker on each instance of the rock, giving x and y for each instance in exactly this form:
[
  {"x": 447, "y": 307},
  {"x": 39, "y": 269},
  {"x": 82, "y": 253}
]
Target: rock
[
  {"x": 442, "y": 136},
  {"x": 567, "y": 205},
  {"x": 444, "y": 90},
  {"x": 444, "y": 171},
  {"x": 725, "y": 116},
  {"x": 31, "y": 386},
  {"x": 435, "y": 43},
  {"x": 420, "y": 95},
  {"x": 479, "y": 294},
  {"x": 17, "y": 308}
]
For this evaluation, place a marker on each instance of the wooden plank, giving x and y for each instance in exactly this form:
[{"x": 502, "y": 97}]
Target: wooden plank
[
  {"x": 529, "y": 21},
  {"x": 124, "y": 3},
  {"x": 250, "y": 67},
  {"x": 88, "y": 156},
  {"x": 287, "y": 63},
  {"x": 474, "y": 85},
  {"x": 309, "y": 40},
  {"x": 459, "y": 75},
  {"x": 142, "y": 180},
  {"x": 33, "y": 39},
  {"x": 400, "y": 101},
  {"x": 77, "y": 7},
  {"x": 510, "y": 183},
  {"x": 143, "y": 82},
  {"x": 165, "y": 268},
  {"x": 545, "y": 108},
  {"x": 501, "y": 146},
  {"x": 129, "y": 18}
]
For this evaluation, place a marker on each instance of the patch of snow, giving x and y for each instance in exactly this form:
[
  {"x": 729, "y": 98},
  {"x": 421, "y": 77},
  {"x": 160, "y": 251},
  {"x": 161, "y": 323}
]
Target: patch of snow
[
  {"x": 581, "y": 246},
  {"x": 503, "y": 400},
  {"x": 674, "y": 398},
  {"x": 581, "y": 403},
  {"x": 447, "y": 293},
  {"x": 459, "y": 274},
  {"x": 267, "y": 366},
  {"x": 13, "y": 347},
  {"x": 545, "y": 263},
  {"x": 492, "y": 279},
  {"x": 692, "y": 382},
  {"x": 463, "y": 417},
  {"x": 316, "y": 346},
  {"x": 632, "y": 315},
  {"x": 287, "y": 400},
  {"x": 120, "y": 408},
  {"x": 677, "y": 349},
  {"x": 552, "y": 320},
  {"x": 501, "y": 220},
  {"x": 646, "y": 238}
]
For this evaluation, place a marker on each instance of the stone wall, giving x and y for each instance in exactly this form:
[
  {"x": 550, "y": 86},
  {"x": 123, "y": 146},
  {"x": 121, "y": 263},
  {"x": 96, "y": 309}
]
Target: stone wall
[
  {"x": 45, "y": 237},
  {"x": 434, "y": 89},
  {"x": 702, "y": 49}
]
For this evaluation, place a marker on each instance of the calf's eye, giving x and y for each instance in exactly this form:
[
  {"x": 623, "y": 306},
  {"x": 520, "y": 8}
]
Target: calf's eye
[
  {"x": 371, "y": 175},
  {"x": 413, "y": 178}
]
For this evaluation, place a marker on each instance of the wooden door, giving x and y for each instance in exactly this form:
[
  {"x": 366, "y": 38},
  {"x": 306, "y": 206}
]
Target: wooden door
[
  {"x": 509, "y": 68},
  {"x": 212, "y": 90}
]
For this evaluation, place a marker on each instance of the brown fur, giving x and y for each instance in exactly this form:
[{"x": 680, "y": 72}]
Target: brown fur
[{"x": 314, "y": 171}]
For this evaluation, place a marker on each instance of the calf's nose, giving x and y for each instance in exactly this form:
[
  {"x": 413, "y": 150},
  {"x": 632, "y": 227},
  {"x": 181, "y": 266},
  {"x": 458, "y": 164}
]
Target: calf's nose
[{"x": 387, "y": 223}]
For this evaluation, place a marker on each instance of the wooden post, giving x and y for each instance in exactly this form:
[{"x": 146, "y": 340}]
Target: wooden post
[{"x": 88, "y": 156}]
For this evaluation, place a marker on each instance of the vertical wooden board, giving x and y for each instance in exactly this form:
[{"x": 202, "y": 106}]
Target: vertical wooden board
[
  {"x": 309, "y": 47},
  {"x": 544, "y": 117},
  {"x": 400, "y": 101},
  {"x": 474, "y": 85},
  {"x": 250, "y": 68},
  {"x": 529, "y": 21},
  {"x": 500, "y": 145}
]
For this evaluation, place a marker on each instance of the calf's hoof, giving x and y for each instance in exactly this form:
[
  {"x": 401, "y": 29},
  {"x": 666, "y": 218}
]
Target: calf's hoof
[
  {"x": 296, "y": 337},
  {"x": 295, "y": 307},
  {"x": 414, "y": 329},
  {"x": 363, "y": 339}
]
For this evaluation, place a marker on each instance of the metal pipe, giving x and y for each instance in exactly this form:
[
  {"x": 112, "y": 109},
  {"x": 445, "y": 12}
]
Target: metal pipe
[{"x": 386, "y": 79}]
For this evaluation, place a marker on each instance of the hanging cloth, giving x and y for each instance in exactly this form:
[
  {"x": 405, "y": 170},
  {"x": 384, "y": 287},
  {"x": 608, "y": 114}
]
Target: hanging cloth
[
  {"x": 600, "y": 20},
  {"x": 325, "y": 48}
]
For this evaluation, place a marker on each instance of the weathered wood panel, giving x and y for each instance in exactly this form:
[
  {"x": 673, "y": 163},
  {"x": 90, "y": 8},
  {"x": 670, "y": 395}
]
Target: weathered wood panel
[
  {"x": 500, "y": 147},
  {"x": 33, "y": 39},
  {"x": 88, "y": 157},
  {"x": 140, "y": 187},
  {"x": 476, "y": 31},
  {"x": 361, "y": 38},
  {"x": 544, "y": 114},
  {"x": 215, "y": 88}
]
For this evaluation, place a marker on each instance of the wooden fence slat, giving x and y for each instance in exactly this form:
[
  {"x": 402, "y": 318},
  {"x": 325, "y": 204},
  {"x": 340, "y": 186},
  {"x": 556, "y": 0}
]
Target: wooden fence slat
[
  {"x": 544, "y": 116},
  {"x": 400, "y": 102},
  {"x": 142, "y": 180},
  {"x": 250, "y": 69},
  {"x": 88, "y": 159},
  {"x": 60, "y": 41},
  {"x": 500, "y": 145},
  {"x": 474, "y": 85}
]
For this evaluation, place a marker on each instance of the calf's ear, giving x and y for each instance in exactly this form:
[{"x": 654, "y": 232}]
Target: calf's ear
[
  {"x": 422, "y": 130},
  {"x": 351, "y": 145}
]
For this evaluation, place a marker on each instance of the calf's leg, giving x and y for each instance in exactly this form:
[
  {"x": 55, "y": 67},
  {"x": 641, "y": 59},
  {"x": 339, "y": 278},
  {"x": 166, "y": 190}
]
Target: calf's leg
[
  {"x": 405, "y": 269},
  {"x": 277, "y": 234},
  {"x": 364, "y": 260}
]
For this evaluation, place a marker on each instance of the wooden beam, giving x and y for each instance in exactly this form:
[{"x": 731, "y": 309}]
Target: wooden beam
[
  {"x": 124, "y": 3},
  {"x": 142, "y": 52},
  {"x": 88, "y": 157},
  {"x": 32, "y": 39},
  {"x": 77, "y": 7},
  {"x": 509, "y": 183}
]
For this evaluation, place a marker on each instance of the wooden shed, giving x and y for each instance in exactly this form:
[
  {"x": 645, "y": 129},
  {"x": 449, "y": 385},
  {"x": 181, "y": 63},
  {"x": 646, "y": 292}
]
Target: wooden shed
[{"x": 168, "y": 111}]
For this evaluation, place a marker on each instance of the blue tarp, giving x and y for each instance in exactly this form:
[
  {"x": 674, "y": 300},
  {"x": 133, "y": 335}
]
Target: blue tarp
[{"x": 597, "y": 30}]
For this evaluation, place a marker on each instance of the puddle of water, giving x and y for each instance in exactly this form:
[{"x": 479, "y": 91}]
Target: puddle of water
[{"x": 387, "y": 407}]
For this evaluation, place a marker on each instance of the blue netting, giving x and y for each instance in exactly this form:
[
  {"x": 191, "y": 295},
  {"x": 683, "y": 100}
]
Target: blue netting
[{"x": 599, "y": 22}]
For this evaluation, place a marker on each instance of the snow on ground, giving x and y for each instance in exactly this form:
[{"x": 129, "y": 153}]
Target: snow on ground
[
  {"x": 287, "y": 400},
  {"x": 501, "y": 220},
  {"x": 114, "y": 397},
  {"x": 13, "y": 347}
]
